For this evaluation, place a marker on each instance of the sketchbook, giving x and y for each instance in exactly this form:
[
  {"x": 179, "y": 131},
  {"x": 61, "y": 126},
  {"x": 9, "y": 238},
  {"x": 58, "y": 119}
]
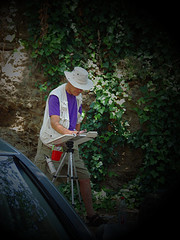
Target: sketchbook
[{"x": 78, "y": 139}]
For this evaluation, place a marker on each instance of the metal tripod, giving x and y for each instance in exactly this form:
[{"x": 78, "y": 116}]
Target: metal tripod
[{"x": 71, "y": 172}]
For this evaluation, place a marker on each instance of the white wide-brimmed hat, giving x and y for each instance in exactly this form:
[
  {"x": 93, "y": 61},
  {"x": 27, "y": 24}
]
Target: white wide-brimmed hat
[{"x": 79, "y": 78}]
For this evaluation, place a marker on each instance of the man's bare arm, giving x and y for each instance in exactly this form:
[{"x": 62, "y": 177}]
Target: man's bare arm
[
  {"x": 78, "y": 127},
  {"x": 58, "y": 127}
]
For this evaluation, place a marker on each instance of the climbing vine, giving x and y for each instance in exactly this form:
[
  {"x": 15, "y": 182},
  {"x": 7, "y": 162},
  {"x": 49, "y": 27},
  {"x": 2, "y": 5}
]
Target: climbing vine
[
  {"x": 98, "y": 35},
  {"x": 105, "y": 114},
  {"x": 158, "y": 111}
]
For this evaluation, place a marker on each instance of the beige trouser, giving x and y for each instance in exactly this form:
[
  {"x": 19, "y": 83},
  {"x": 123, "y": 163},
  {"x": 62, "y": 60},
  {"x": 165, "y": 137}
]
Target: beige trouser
[{"x": 41, "y": 163}]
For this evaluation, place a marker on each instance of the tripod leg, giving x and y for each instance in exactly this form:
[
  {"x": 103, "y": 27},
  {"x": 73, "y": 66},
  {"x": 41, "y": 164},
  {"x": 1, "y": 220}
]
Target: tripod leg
[
  {"x": 59, "y": 168},
  {"x": 77, "y": 182},
  {"x": 68, "y": 170},
  {"x": 72, "y": 178}
]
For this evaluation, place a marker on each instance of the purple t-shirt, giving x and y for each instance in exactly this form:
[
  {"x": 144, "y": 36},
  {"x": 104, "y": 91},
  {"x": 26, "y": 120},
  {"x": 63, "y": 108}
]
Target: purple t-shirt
[{"x": 54, "y": 108}]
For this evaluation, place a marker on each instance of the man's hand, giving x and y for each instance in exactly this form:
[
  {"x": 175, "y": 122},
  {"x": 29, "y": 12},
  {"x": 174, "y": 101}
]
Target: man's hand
[{"x": 72, "y": 132}]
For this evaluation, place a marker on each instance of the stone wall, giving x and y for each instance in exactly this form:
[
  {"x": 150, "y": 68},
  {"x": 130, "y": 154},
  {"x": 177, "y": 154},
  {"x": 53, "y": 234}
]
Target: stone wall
[{"x": 21, "y": 103}]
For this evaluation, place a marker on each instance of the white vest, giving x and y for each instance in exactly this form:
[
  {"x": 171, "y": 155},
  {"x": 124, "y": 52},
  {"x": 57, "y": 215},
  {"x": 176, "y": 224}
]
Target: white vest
[{"x": 47, "y": 133}]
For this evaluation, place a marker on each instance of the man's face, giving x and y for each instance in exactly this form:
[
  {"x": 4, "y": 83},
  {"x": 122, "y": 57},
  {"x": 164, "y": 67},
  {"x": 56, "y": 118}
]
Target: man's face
[{"x": 73, "y": 90}]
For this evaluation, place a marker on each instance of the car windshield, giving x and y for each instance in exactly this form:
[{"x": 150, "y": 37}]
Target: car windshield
[
  {"x": 5, "y": 148},
  {"x": 23, "y": 209}
]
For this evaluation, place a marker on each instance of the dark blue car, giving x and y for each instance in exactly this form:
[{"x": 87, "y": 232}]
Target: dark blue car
[{"x": 30, "y": 205}]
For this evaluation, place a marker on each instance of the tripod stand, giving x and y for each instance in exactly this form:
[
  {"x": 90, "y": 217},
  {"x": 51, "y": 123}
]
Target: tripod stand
[
  {"x": 71, "y": 172},
  {"x": 69, "y": 140}
]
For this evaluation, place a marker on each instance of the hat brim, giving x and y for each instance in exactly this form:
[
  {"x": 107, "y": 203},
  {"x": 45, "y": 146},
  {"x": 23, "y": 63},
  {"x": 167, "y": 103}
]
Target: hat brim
[{"x": 70, "y": 78}]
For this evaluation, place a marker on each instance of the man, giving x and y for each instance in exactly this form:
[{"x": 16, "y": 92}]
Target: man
[{"x": 63, "y": 116}]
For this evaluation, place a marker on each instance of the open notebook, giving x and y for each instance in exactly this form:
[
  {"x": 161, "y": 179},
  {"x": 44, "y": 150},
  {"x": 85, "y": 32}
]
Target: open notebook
[{"x": 79, "y": 139}]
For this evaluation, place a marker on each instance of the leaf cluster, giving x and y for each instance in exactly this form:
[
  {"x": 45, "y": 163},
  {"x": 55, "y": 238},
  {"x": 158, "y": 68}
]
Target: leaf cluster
[{"x": 158, "y": 112}]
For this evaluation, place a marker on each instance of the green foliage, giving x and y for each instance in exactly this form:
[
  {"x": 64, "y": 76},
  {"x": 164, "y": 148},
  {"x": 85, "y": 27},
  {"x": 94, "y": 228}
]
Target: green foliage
[
  {"x": 158, "y": 113},
  {"x": 99, "y": 36},
  {"x": 65, "y": 189},
  {"x": 103, "y": 199},
  {"x": 105, "y": 115}
]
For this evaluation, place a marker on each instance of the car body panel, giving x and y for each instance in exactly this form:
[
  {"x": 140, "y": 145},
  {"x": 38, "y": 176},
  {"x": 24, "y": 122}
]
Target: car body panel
[{"x": 25, "y": 189}]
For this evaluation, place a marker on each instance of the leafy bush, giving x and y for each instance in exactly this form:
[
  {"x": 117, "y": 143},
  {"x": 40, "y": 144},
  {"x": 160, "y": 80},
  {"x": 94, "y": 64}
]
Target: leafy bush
[
  {"x": 105, "y": 115},
  {"x": 158, "y": 112}
]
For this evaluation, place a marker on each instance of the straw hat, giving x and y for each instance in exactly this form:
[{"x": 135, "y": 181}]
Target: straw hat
[{"x": 79, "y": 78}]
